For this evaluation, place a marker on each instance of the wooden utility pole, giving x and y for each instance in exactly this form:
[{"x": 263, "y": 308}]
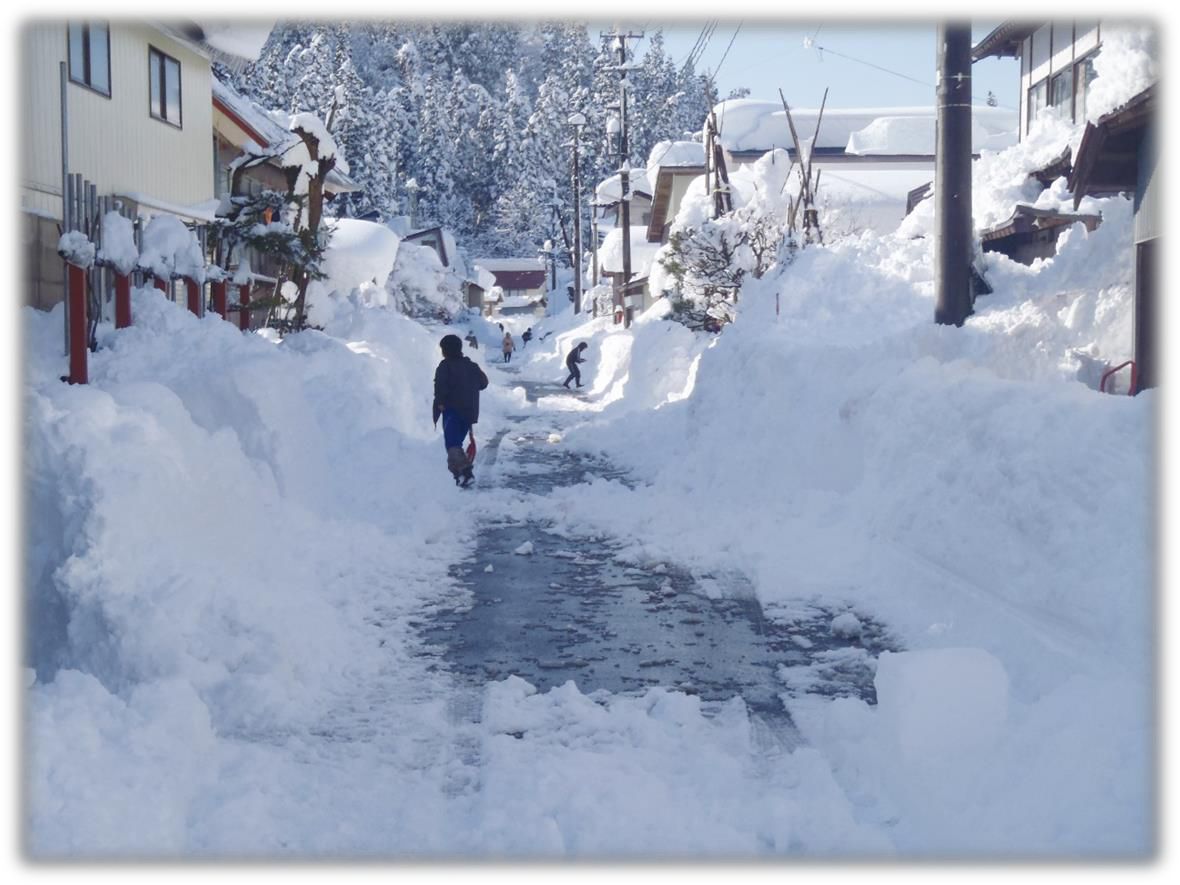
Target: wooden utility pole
[
  {"x": 577, "y": 121},
  {"x": 952, "y": 176},
  {"x": 620, "y": 46}
]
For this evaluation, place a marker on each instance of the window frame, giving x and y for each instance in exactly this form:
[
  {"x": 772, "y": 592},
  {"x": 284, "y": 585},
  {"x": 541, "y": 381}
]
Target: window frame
[
  {"x": 162, "y": 68},
  {"x": 1033, "y": 109},
  {"x": 85, "y": 77},
  {"x": 1083, "y": 65}
]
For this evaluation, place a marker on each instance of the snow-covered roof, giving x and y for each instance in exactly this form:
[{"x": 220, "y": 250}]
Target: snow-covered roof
[
  {"x": 610, "y": 254},
  {"x": 483, "y": 277},
  {"x": 610, "y": 190},
  {"x": 494, "y": 264},
  {"x": 273, "y": 128},
  {"x": 511, "y": 301},
  {"x": 674, "y": 153},
  {"x": 754, "y": 125}
]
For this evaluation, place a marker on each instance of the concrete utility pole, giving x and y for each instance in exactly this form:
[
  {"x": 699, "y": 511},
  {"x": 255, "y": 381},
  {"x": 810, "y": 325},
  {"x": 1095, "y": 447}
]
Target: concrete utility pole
[
  {"x": 952, "y": 176},
  {"x": 577, "y": 121},
  {"x": 620, "y": 46}
]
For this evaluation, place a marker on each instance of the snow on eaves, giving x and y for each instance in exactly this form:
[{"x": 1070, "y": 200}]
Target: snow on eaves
[
  {"x": 610, "y": 190},
  {"x": 240, "y": 39}
]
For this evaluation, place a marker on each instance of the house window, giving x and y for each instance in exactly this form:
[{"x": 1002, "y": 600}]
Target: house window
[
  {"x": 1061, "y": 90},
  {"x": 90, "y": 56},
  {"x": 1084, "y": 77},
  {"x": 1037, "y": 100},
  {"x": 164, "y": 86}
]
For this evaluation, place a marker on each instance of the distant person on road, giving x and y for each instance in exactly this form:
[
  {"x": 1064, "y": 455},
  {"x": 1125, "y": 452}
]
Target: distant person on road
[
  {"x": 571, "y": 363},
  {"x": 472, "y": 341},
  {"x": 508, "y": 345},
  {"x": 527, "y": 337},
  {"x": 457, "y": 383}
]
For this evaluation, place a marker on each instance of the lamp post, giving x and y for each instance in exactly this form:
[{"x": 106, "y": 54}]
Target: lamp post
[
  {"x": 548, "y": 254},
  {"x": 577, "y": 121}
]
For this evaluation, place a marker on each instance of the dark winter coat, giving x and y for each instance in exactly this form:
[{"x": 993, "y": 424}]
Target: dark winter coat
[
  {"x": 457, "y": 383},
  {"x": 574, "y": 357}
]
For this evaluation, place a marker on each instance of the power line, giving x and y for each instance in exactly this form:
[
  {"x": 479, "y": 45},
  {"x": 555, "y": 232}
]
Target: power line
[
  {"x": 692, "y": 51},
  {"x": 705, "y": 44},
  {"x": 717, "y": 69},
  {"x": 823, "y": 49}
]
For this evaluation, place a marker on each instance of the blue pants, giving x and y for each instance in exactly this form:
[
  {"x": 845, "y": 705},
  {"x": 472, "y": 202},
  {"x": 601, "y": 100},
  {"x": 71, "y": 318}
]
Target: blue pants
[{"x": 455, "y": 428}]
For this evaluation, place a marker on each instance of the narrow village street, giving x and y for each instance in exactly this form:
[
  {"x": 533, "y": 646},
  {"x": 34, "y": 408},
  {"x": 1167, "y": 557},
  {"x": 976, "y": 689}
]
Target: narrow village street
[{"x": 550, "y": 606}]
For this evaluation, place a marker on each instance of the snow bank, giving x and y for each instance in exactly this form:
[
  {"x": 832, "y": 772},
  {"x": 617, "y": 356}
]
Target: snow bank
[{"x": 209, "y": 522}]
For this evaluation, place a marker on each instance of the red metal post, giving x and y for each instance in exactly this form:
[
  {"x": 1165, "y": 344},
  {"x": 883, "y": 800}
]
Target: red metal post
[
  {"x": 162, "y": 284},
  {"x": 218, "y": 287},
  {"x": 122, "y": 301},
  {"x": 193, "y": 288},
  {"x": 244, "y": 313},
  {"x": 79, "y": 327}
]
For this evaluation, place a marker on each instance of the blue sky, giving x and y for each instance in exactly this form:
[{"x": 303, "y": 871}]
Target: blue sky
[{"x": 863, "y": 64}]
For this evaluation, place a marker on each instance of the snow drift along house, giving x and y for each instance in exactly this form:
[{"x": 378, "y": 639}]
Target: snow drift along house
[{"x": 1118, "y": 153}]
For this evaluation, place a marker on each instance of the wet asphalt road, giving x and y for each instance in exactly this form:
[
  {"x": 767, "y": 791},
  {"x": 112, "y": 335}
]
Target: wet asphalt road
[{"x": 574, "y": 609}]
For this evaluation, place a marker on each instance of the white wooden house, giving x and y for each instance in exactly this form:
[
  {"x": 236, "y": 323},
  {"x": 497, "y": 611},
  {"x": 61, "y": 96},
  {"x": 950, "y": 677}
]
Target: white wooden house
[
  {"x": 138, "y": 118},
  {"x": 1056, "y": 64}
]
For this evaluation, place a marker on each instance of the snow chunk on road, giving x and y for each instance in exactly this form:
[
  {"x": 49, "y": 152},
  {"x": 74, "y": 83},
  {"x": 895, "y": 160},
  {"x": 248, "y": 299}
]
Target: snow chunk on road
[
  {"x": 942, "y": 702},
  {"x": 525, "y": 549},
  {"x": 489, "y": 568},
  {"x": 846, "y": 625}
]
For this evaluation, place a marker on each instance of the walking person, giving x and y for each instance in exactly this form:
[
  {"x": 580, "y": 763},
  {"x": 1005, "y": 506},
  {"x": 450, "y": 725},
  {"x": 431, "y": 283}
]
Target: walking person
[
  {"x": 571, "y": 363},
  {"x": 508, "y": 345},
  {"x": 457, "y": 383},
  {"x": 472, "y": 341},
  {"x": 527, "y": 337}
]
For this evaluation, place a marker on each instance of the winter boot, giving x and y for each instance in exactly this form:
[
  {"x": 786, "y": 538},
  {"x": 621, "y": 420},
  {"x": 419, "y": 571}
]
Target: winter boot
[
  {"x": 457, "y": 462},
  {"x": 467, "y": 478}
]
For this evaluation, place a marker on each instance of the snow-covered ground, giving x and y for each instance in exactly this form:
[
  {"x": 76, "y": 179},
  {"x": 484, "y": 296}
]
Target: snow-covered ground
[{"x": 228, "y": 542}]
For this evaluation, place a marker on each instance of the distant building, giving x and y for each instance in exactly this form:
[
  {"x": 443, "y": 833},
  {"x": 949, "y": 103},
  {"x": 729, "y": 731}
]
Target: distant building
[
  {"x": 673, "y": 166},
  {"x": 522, "y": 282},
  {"x": 872, "y": 159}
]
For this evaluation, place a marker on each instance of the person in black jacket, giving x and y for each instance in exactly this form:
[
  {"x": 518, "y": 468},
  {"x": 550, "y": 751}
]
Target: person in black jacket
[
  {"x": 571, "y": 363},
  {"x": 457, "y": 383}
]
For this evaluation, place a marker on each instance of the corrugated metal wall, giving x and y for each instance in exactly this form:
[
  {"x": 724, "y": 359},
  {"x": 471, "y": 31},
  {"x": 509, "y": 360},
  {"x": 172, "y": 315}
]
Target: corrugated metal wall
[{"x": 1147, "y": 190}]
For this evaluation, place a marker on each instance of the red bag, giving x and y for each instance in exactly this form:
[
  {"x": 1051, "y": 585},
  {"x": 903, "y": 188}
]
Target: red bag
[{"x": 471, "y": 447}]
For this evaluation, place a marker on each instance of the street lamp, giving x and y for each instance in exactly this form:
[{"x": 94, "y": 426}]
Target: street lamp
[
  {"x": 578, "y": 122},
  {"x": 548, "y": 254}
]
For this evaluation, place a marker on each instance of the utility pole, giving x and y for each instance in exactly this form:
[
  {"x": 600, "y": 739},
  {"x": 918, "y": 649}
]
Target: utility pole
[
  {"x": 952, "y": 176},
  {"x": 620, "y": 46},
  {"x": 577, "y": 121}
]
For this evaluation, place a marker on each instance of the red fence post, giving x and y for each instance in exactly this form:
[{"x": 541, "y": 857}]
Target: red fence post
[
  {"x": 244, "y": 313},
  {"x": 218, "y": 287},
  {"x": 193, "y": 288},
  {"x": 162, "y": 285},
  {"x": 79, "y": 327},
  {"x": 122, "y": 301}
]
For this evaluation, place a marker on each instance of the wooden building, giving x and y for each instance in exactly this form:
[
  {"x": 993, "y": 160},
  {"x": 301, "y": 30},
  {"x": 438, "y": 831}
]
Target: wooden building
[
  {"x": 1056, "y": 64},
  {"x": 1119, "y": 152}
]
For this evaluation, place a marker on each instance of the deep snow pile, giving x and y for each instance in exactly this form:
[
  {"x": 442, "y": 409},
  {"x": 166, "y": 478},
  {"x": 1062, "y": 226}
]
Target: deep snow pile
[
  {"x": 213, "y": 523},
  {"x": 970, "y": 487}
]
